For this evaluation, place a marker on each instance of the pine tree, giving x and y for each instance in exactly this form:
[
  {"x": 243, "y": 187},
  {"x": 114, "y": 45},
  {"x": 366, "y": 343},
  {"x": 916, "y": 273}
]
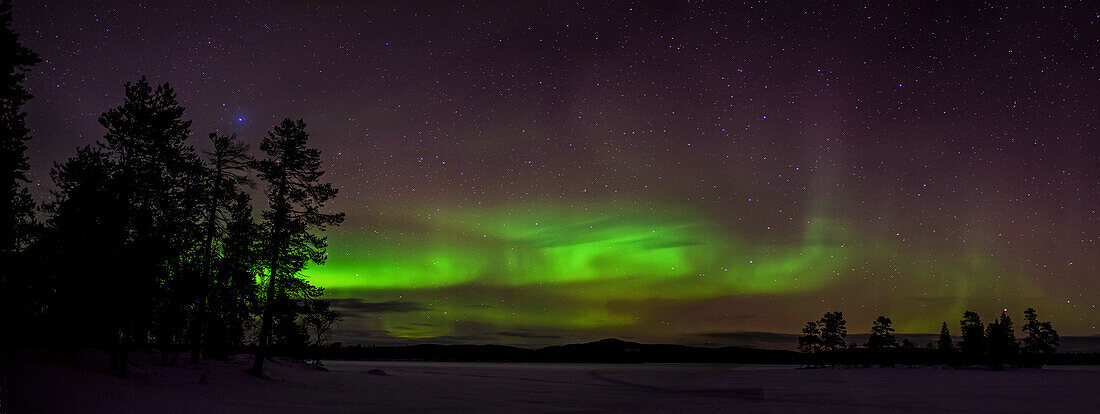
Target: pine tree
[
  {"x": 16, "y": 206},
  {"x": 319, "y": 319},
  {"x": 17, "y": 297},
  {"x": 973, "y": 336},
  {"x": 833, "y": 331},
  {"x": 1041, "y": 340},
  {"x": 292, "y": 172},
  {"x": 226, "y": 175},
  {"x": 137, "y": 193},
  {"x": 235, "y": 295},
  {"x": 810, "y": 341},
  {"x": 1001, "y": 340},
  {"x": 944, "y": 343},
  {"x": 84, "y": 237},
  {"x": 882, "y": 334},
  {"x": 157, "y": 187}
]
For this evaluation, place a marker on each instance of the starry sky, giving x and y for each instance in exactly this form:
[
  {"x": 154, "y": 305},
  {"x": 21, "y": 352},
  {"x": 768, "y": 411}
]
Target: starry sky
[{"x": 687, "y": 172}]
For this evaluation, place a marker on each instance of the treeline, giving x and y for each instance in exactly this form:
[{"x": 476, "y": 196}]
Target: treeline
[
  {"x": 603, "y": 351},
  {"x": 146, "y": 242},
  {"x": 824, "y": 341}
]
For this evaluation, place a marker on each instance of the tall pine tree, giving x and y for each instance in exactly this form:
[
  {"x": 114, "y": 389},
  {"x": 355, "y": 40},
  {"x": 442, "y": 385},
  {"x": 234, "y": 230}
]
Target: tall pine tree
[
  {"x": 157, "y": 187},
  {"x": 137, "y": 193},
  {"x": 84, "y": 238},
  {"x": 296, "y": 196},
  {"x": 226, "y": 175},
  {"x": 234, "y": 297},
  {"x": 16, "y": 206},
  {"x": 1041, "y": 340},
  {"x": 973, "y": 336},
  {"x": 834, "y": 331},
  {"x": 882, "y": 334},
  {"x": 1001, "y": 340},
  {"x": 944, "y": 343}
]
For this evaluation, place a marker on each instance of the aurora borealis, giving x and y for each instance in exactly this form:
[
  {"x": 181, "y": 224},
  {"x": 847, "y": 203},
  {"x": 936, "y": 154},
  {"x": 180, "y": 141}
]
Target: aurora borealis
[
  {"x": 676, "y": 172},
  {"x": 607, "y": 268}
]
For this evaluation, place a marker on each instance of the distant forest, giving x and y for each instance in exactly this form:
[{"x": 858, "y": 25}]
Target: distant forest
[
  {"x": 824, "y": 342},
  {"x": 145, "y": 242}
]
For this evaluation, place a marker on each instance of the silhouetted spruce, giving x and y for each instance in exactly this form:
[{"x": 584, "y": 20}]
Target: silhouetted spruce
[
  {"x": 810, "y": 341},
  {"x": 882, "y": 335},
  {"x": 319, "y": 319},
  {"x": 226, "y": 175},
  {"x": 834, "y": 331},
  {"x": 135, "y": 195},
  {"x": 994, "y": 343},
  {"x": 1041, "y": 340},
  {"x": 292, "y": 172},
  {"x": 84, "y": 236},
  {"x": 158, "y": 190},
  {"x": 1001, "y": 340},
  {"x": 16, "y": 206},
  {"x": 234, "y": 296},
  {"x": 972, "y": 344},
  {"x": 825, "y": 334},
  {"x": 149, "y": 246},
  {"x": 944, "y": 343}
]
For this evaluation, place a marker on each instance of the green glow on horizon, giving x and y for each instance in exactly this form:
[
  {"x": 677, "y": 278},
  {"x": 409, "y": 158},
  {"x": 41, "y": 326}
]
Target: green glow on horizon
[
  {"x": 598, "y": 267},
  {"x": 556, "y": 246}
]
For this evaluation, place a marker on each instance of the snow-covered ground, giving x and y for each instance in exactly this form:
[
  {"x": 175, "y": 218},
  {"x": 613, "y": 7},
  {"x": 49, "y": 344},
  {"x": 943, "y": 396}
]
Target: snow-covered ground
[{"x": 81, "y": 385}]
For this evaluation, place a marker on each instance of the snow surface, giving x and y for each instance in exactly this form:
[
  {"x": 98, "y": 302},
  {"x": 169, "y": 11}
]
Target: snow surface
[{"x": 82, "y": 385}]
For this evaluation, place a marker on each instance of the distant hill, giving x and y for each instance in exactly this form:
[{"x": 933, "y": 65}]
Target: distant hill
[
  {"x": 604, "y": 351},
  {"x": 618, "y": 351}
]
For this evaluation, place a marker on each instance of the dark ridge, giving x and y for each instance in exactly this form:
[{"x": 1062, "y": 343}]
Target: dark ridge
[
  {"x": 613, "y": 350},
  {"x": 604, "y": 351}
]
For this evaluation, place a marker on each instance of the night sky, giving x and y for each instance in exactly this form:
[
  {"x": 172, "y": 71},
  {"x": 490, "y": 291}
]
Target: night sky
[{"x": 686, "y": 172}]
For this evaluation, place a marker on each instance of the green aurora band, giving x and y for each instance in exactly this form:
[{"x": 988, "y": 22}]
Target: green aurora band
[{"x": 607, "y": 269}]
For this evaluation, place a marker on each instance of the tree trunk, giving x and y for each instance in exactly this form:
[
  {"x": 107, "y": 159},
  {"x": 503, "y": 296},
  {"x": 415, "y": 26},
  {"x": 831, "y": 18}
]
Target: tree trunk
[
  {"x": 278, "y": 226},
  {"x": 204, "y": 291},
  {"x": 265, "y": 327},
  {"x": 269, "y": 301}
]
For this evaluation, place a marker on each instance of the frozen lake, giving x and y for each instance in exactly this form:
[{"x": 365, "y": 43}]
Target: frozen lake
[
  {"x": 544, "y": 388},
  {"x": 710, "y": 387}
]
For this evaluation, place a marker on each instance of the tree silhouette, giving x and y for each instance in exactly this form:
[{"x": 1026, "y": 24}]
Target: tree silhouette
[
  {"x": 995, "y": 343},
  {"x": 319, "y": 319},
  {"x": 944, "y": 344},
  {"x": 833, "y": 331},
  {"x": 972, "y": 344},
  {"x": 810, "y": 341},
  {"x": 84, "y": 236},
  {"x": 1001, "y": 340},
  {"x": 149, "y": 244},
  {"x": 16, "y": 206},
  {"x": 825, "y": 334},
  {"x": 234, "y": 296},
  {"x": 292, "y": 172},
  {"x": 226, "y": 174},
  {"x": 156, "y": 186},
  {"x": 882, "y": 335},
  {"x": 127, "y": 210},
  {"x": 1041, "y": 340}
]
